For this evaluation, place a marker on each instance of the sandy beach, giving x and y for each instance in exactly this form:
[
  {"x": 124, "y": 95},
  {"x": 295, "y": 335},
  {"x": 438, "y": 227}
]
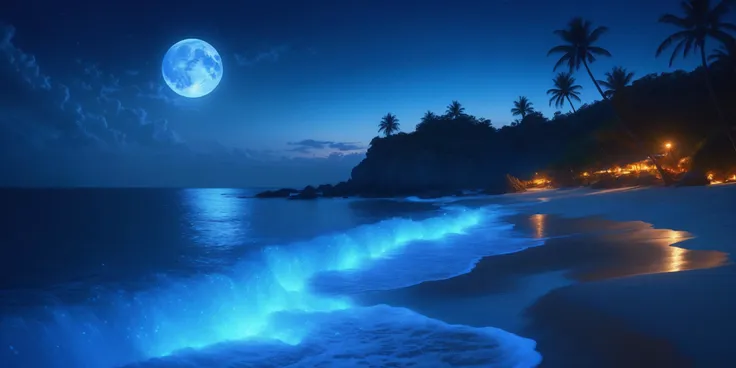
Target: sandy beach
[{"x": 639, "y": 277}]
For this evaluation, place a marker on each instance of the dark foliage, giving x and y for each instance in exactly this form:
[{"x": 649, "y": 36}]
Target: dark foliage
[{"x": 463, "y": 152}]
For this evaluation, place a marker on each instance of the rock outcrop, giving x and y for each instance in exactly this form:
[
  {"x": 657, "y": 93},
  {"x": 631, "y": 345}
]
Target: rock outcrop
[
  {"x": 378, "y": 188},
  {"x": 391, "y": 169},
  {"x": 280, "y": 193},
  {"x": 309, "y": 192},
  {"x": 445, "y": 158}
]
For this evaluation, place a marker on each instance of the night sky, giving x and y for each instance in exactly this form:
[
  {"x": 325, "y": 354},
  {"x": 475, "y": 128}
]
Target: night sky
[{"x": 305, "y": 82}]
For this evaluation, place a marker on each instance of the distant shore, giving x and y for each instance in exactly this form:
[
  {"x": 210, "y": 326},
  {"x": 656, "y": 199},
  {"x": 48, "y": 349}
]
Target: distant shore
[{"x": 607, "y": 289}]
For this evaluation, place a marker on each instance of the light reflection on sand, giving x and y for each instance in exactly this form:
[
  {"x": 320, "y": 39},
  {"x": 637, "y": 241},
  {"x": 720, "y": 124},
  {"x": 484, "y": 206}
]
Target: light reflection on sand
[
  {"x": 644, "y": 250},
  {"x": 677, "y": 255},
  {"x": 594, "y": 248},
  {"x": 677, "y": 259},
  {"x": 538, "y": 224},
  {"x": 680, "y": 259}
]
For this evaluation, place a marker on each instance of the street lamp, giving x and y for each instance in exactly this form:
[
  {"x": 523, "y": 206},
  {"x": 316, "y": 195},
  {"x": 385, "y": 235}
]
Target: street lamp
[{"x": 667, "y": 148}]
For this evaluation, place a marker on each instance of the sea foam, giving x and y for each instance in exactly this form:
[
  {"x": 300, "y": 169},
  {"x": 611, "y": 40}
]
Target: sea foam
[{"x": 378, "y": 336}]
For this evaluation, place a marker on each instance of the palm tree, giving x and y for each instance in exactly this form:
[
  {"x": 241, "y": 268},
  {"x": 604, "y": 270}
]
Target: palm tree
[
  {"x": 700, "y": 23},
  {"x": 455, "y": 110},
  {"x": 616, "y": 80},
  {"x": 389, "y": 124},
  {"x": 522, "y": 107},
  {"x": 565, "y": 89},
  {"x": 429, "y": 116},
  {"x": 578, "y": 50}
]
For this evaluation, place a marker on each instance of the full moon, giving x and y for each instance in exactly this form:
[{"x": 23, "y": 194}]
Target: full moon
[{"x": 192, "y": 68}]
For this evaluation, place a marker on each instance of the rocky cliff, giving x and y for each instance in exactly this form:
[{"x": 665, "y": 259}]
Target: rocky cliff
[{"x": 425, "y": 173}]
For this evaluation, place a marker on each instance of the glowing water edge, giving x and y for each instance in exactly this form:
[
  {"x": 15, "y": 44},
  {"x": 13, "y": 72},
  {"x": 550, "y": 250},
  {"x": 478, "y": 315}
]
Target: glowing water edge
[{"x": 289, "y": 306}]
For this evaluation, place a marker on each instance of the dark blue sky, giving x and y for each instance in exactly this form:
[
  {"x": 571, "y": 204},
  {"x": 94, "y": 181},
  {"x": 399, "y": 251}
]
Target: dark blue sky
[{"x": 328, "y": 70}]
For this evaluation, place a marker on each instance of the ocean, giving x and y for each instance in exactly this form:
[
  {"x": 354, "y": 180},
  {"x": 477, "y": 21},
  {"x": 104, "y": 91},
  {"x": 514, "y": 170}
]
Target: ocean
[{"x": 211, "y": 278}]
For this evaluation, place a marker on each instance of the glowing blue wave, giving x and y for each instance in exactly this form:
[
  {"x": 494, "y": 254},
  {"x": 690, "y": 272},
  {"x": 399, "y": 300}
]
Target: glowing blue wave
[
  {"x": 118, "y": 328},
  {"x": 236, "y": 306}
]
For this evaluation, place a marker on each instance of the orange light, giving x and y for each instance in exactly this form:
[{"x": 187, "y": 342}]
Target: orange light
[{"x": 668, "y": 145}]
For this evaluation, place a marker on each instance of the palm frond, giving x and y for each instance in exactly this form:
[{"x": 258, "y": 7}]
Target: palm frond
[
  {"x": 597, "y": 33},
  {"x": 674, "y": 20}
]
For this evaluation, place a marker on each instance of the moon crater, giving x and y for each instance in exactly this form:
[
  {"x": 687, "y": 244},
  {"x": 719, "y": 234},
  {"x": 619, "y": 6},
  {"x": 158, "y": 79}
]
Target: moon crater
[{"x": 192, "y": 68}]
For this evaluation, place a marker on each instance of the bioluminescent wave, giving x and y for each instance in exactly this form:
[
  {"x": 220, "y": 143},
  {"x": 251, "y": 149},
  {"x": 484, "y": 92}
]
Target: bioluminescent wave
[
  {"x": 378, "y": 336},
  {"x": 245, "y": 301}
]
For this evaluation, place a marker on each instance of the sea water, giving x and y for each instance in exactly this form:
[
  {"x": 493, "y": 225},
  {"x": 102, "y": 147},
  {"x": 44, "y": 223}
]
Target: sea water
[{"x": 212, "y": 278}]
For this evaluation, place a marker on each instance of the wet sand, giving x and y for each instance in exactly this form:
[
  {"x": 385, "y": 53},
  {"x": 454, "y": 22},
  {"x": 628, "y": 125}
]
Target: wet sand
[
  {"x": 575, "y": 295},
  {"x": 691, "y": 313}
]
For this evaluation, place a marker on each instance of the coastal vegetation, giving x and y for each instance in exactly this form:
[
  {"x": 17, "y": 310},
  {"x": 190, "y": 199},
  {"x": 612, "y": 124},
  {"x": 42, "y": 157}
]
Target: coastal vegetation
[
  {"x": 389, "y": 124},
  {"x": 701, "y": 23},
  {"x": 564, "y": 89},
  {"x": 663, "y": 128}
]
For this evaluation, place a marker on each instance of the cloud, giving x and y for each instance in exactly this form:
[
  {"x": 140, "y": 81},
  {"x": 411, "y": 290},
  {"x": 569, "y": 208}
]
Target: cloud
[
  {"x": 91, "y": 108},
  {"x": 161, "y": 93},
  {"x": 272, "y": 55},
  {"x": 309, "y": 145},
  {"x": 345, "y": 146},
  {"x": 209, "y": 165},
  {"x": 96, "y": 128},
  {"x": 22, "y": 63}
]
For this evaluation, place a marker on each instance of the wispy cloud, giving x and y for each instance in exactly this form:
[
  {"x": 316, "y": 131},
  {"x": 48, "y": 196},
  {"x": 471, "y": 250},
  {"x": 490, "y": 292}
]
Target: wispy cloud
[
  {"x": 93, "y": 108},
  {"x": 24, "y": 64},
  {"x": 310, "y": 145},
  {"x": 271, "y": 55}
]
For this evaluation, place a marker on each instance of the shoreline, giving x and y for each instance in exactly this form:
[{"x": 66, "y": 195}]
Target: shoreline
[
  {"x": 613, "y": 285},
  {"x": 689, "y": 310},
  {"x": 707, "y": 212},
  {"x": 685, "y": 314}
]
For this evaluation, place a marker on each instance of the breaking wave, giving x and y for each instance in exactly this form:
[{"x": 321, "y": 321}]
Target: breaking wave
[{"x": 289, "y": 304}]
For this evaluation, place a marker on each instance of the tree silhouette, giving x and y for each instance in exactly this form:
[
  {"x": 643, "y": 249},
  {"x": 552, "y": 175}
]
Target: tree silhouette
[
  {"x": 455, "y": 110},
  {"x": 522, "y": 107},
  {"x": 389, "y": 124},
  {"x": 578, "y": 50},
  {"x": 565, "y": 89},
  {"x": 458, "y": 154},
  {"x": 429, "y": 116},
  {"x": 700, "y": 23},
  {"x": 616, "y": 80},
  {"x": 724, "y": 57},
  {"x": 485, "y": 122}
]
